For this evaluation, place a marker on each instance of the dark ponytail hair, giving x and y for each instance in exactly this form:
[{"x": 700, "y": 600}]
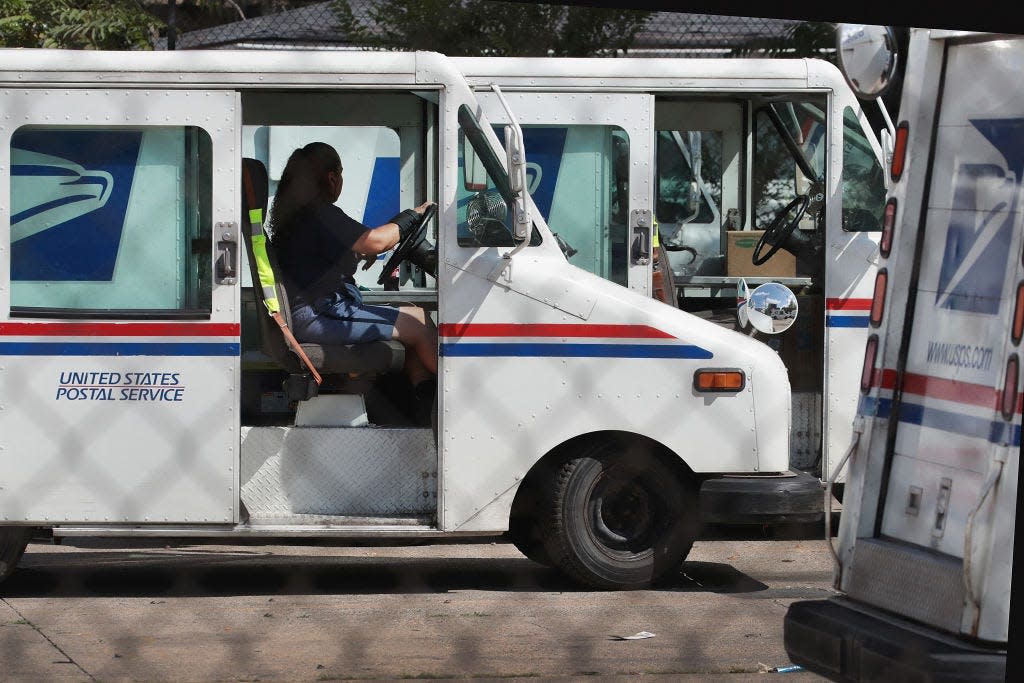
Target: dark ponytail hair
[{"x": 303, "y": 181}]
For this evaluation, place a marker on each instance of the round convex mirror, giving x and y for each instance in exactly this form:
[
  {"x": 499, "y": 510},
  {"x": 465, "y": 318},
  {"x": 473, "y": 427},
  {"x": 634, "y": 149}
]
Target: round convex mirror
[
  {"x": 772, "y": 308},
  {"x": 867, "y": 57}
]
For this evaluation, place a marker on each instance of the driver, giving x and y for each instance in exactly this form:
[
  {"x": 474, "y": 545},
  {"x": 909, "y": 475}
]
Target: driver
[{"x": 318, "y": 248}]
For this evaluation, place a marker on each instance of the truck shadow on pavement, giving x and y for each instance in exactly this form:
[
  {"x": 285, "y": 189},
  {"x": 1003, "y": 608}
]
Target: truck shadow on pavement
[{"x": 193, "y": 571}]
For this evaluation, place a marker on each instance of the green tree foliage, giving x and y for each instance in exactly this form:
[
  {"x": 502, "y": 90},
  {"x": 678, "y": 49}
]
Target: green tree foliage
[
  {"x": 806, "y": 39},
  {"x": 77, "y": 24},
  {"x": 485, "y": 27}
]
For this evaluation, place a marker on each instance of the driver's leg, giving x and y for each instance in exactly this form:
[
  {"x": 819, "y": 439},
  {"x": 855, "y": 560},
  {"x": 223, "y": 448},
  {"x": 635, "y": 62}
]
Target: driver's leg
[
  {"x": 414, "y": 370},
  {"x": 416, "y": 330}
]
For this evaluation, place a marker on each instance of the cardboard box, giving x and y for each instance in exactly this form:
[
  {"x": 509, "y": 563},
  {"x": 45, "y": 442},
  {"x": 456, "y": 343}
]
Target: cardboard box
[{"x": 739, "y": 247}]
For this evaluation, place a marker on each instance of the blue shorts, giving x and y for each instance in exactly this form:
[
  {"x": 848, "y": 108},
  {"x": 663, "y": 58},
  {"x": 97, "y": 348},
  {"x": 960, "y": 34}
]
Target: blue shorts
[{"x": 343, "y": 318}]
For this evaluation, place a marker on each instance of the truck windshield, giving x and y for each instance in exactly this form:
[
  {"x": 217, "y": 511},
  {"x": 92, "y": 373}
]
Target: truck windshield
[{"x": 683, "y": 197}]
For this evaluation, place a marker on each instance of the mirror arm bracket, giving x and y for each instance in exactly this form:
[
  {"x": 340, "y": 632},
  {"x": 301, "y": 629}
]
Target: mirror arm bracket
[
  {"x": 515, "y": 150},
  {"x": 888, "y": 138}
]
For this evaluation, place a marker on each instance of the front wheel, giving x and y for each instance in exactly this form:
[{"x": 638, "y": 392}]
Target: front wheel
[
  {"x": 619, "y": 518},
  {"x": 13, "y": 541},
  {"x": 524, "y": 534}
]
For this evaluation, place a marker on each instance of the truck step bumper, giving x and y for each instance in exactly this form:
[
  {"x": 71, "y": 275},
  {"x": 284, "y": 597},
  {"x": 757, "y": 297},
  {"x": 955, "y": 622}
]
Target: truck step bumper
[
  {"x": 793, "y": 497},
  {"x": 845, "y": 644}
]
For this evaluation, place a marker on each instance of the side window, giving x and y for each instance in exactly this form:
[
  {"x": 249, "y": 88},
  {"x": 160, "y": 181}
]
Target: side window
[
  {"x": 111, "y": 220},
  {"x": 863, "y": 180},
  {"x": 578, "y": 176},
  {"x": 369, "y": 156},
  {"x": 682, "y": 196}
]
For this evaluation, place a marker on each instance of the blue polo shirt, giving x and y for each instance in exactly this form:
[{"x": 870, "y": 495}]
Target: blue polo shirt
[{"x": 316, "y": 257}]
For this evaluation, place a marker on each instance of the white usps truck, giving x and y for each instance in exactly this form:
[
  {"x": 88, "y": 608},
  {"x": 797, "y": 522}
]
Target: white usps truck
[
  {"x": 926, "y": 541},
  {"x": 572, "y": 412},
  {"x": 695, "y": 161}
]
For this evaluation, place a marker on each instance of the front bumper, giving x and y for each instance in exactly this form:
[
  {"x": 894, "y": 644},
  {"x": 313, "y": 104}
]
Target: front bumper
[{"x": 762, "y": 499}]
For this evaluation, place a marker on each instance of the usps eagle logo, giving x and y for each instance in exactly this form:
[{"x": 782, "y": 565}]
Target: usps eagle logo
[
  {"x": 70, "y": 191},
  {"x": 61, "y": 191},
  {"x": 983, "y": 215}
]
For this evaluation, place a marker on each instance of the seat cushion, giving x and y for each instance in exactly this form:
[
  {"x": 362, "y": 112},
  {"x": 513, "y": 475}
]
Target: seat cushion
[{"x": 380, "y": 356}]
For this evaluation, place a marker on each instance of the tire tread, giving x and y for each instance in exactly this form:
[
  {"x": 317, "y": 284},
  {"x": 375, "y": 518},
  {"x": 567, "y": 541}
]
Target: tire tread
[
  {"x": 13, "y": 541},
  {"x": 554, "y": 526}
]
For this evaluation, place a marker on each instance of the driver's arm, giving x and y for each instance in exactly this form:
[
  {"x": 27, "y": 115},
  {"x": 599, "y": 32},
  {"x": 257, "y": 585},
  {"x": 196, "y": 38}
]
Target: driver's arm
[
  {"x": 382, "y": 238},
  {"x": 377, "y": 240}
]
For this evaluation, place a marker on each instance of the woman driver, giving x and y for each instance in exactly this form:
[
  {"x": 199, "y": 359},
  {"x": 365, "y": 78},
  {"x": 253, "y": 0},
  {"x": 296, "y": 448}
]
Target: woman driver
[{"x": 318, "y": 248}]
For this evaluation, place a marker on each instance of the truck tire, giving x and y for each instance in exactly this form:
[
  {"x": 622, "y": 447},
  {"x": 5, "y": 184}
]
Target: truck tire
[
  {"x": 13, "y": 540},
  {"x": 619, "y": 518},
  {"x": 526, "y": 536}
]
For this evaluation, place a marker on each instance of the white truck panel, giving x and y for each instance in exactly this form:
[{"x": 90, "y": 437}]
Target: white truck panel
[
  {"x": 635, "y": 376},
  {"x": 128, "y": 439}
]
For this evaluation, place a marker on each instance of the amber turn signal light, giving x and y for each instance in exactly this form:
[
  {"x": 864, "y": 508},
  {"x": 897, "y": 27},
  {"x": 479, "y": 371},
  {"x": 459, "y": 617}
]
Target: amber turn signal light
[{"x": 719, "y": 380}]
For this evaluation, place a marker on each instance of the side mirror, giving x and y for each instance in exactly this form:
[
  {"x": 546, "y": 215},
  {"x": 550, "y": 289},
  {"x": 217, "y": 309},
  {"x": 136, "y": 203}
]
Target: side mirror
[
  {"x": 772, "y": 308},
  {"x": 886, "y": 140},
  {"x": 867, "y": 57}
]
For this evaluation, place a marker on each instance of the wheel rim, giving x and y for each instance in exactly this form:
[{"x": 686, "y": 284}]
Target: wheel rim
[{"x": 621, "y": 514}]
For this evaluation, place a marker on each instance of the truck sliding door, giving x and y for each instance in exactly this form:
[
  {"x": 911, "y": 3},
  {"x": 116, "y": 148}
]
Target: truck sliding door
[{"x": 119, "y": 326}]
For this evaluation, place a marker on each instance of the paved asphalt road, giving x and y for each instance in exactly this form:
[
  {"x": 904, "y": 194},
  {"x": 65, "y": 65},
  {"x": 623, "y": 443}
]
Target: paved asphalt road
[{"x": 89, "y": 611}]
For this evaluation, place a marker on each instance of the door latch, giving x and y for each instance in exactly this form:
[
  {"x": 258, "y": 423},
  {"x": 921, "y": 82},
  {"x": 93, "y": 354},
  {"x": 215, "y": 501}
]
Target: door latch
[
  {"x": 227, "y": 253},
  {"x": 941, "y": 510},
  {"x": 640, "y": 220}
]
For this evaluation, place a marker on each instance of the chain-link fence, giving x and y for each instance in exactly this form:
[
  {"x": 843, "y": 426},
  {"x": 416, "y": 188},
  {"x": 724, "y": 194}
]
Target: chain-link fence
[
  {"x": 358, "y": 24},
  {"x": 171, "y": 610}
]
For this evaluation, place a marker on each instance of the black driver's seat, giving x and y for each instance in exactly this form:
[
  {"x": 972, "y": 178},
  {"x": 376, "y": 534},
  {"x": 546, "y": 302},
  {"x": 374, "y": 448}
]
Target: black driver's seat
[{"x": 329, "y": 359}]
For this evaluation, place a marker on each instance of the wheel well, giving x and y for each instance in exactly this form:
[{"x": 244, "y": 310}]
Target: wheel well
[{"x": 526, "y": 497}]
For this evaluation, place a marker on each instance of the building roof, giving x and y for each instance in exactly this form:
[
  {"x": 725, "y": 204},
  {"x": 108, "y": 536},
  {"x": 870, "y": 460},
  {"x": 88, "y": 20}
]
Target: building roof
[{"x": 315, "y": 27}]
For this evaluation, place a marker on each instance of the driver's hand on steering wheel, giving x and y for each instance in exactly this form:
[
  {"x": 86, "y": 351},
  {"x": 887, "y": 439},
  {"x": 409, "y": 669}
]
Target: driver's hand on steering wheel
[{"x": 368, "y": 259}]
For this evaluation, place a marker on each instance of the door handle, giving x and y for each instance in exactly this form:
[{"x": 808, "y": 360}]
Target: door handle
[{"x": 227, "y": 253}]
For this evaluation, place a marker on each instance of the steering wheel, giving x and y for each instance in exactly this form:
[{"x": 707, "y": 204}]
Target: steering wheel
[
  {"x": 776, "y": 234},
  {"x": 405, "y": 247}
]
